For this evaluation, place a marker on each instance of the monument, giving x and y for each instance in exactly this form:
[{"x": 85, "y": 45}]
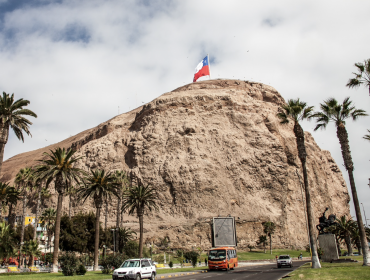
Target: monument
[{"x": 327, "y": 240}]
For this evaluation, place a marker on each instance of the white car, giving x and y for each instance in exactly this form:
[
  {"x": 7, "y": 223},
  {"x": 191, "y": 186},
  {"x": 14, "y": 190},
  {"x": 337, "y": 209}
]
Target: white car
[
  {"x": 284, "y": 260},
  {"x": 135, "y": 269}
]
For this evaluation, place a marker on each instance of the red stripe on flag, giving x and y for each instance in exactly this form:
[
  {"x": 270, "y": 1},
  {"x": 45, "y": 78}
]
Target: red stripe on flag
[{"x": 202, "y": 72}]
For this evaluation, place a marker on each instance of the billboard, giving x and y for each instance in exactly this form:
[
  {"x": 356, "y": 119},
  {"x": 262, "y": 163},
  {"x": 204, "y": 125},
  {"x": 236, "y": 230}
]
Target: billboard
[{"x": 224, "y": 232}]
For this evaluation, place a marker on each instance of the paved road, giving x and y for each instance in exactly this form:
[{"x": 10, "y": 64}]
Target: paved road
[{"x": 253, "y": 272}]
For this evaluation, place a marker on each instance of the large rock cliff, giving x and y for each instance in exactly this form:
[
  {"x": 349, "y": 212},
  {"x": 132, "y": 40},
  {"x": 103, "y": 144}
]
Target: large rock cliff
[{"x": 211, "y": 148}]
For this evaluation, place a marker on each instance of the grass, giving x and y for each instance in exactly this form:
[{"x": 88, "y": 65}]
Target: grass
[
  {"x": 90, "y": 275},
  {"x": 339, "y": 271},
  {"x": 169, "y": 270}
]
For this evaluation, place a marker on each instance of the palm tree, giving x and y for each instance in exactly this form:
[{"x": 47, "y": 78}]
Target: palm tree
[
  {"x": 22, "y": 180},
  {"x": 100, "y": 186},
  {"x": 343, "y": 229},
  {"x": 125, "y": 235},
  {"x": 7, "y": 242},
  {"x": 297, "y": 111},
  {"x": 58, "y": 167},
  {"x": 48, "y": 221},
  {"x": 36, "y": 185},
  {"x": 123, "y": 180},
  {"x": 12, "y": 198},
  {"x": 367, "y": 136},
  {"x": 5, "y": 190},
  {"x": 356, "y": 240},
  {"x": 338, "y": 113},
  {"x": 11, "y": 116},
  {"x": 263, "y": 240},
  {"x": 139, "y": 199},
  {"x": 362, "y": 77},
  {"x": 269, "y": 229},
  {"x": 31, "y": 248}
]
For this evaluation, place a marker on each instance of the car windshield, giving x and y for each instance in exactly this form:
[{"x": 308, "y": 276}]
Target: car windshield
[
  {"x": 284, "y": 257},
  {"x": 131, "y": 264},
  {"x": 217, "y": 255}
]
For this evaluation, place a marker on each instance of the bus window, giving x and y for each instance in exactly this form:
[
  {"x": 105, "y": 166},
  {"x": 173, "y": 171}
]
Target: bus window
[{"x": 217, "y": 255}]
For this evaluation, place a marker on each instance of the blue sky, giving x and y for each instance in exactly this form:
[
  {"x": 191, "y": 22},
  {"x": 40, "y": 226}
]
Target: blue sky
[{"x": 77, "y": 61}]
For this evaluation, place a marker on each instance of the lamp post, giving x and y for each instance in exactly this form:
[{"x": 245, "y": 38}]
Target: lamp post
[{"x": 364, "y": 213}]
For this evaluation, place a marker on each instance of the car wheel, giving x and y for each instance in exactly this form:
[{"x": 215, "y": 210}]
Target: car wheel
[
  {"x": 279, "y": 266},
  {"x": 138, "y": 277},
  {"x": 152, "y": 277}
]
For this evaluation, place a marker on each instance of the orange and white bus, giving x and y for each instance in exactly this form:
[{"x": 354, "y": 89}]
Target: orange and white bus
[{"x": 222, "y": 258}]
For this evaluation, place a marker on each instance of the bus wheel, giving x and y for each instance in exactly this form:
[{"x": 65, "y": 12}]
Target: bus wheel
[{"x": 228, "y": 268}]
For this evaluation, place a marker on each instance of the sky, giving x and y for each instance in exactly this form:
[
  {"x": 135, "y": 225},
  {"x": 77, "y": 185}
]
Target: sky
[{"x": 81, "y": 63}]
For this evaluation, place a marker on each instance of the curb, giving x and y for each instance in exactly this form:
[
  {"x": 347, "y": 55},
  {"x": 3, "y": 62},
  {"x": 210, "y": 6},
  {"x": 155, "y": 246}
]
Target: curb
[{"x": 180, "y": 274}]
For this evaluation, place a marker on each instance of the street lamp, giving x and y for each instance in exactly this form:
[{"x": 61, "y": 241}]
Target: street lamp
[{"x": 364, "y": 213}]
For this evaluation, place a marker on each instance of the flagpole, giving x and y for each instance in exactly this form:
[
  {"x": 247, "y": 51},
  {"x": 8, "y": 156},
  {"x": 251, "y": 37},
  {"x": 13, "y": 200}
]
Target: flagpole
[{"x": 209, "y": 66}]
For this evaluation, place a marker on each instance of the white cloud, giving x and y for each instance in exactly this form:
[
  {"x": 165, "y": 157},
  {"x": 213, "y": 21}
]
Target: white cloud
[{"x": 77, "y": 61}]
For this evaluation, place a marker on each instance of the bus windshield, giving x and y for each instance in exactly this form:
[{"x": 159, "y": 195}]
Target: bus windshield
[{"x": 217, "y": 255}]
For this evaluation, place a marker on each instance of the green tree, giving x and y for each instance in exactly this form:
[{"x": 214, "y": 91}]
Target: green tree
[
  {"x": 78, "y": 233},
  {"x": 269, "y": 229},
  {"x": 362, "y": 77},
  {"x": 332, "y": 111},
  {"x": 297, "y": 111},
  {"x": 31, "y": 248},
  {"x": 139, "y": 199},
  {"x": 367, "y": 136},
  {"x": 7, "y": 242},
  {"x": 12, "y": 116},
  {"x": 59, "y": 167},
  {"x": 100, "y": 186},
  {"x": 262, "y": 240}
]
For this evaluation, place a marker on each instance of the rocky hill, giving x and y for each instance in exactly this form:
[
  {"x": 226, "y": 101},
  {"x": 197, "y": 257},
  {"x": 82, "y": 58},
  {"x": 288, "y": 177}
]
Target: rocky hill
[{"x": 211, "y": 148}]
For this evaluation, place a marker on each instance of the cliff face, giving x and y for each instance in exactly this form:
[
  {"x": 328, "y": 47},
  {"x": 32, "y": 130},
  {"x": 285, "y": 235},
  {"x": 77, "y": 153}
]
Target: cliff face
[{"x": 210, "y": 148}]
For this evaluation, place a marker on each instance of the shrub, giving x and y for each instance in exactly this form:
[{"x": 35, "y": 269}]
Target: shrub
[
  {"x": 81, "y": 270},
  {"x": 194, "y": 259},
  {"x": 159, "y": 258},
  {"x": 69, "y": 263},
  {"x": 308, "y": 248},
  {"x": 170, "y": 264},
  {"x": 112, "y": 262}
]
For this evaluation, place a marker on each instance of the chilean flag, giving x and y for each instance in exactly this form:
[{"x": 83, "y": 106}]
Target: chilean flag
[{"x": 202, "y": 69}]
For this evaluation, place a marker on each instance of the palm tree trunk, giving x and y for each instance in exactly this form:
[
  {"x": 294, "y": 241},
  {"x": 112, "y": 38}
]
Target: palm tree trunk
[
  {"x": 37, "y": 214},
  {"x": 4, "y": 133},
  {"x": 31, "y": 261},
  {"x": 57, "y": 232},
  {"x": 270, "y": 244},
  {"x": 23, "y": 224},
  {"x": 10, "y": 216},
  {"x": 70, "y": 206},
  {"x": 106, "y": 214},
  {"x": 347, "y": 239},
  {"x": 96, "y": 249},
  {"x": 141, "y": 222},
  {"x": 346, "y": 153},
  {"x": 299, "y": 134}
]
